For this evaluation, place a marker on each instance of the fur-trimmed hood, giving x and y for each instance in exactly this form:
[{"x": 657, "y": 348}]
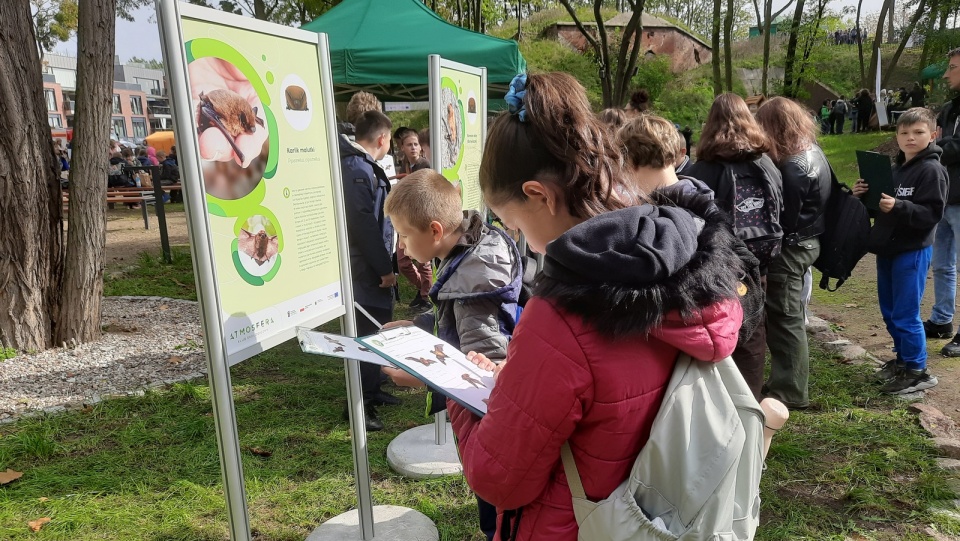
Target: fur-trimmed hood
[{"x": 631, "y": 270}]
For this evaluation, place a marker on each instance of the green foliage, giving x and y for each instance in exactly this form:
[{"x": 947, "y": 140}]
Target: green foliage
[
  {"x": 7, "y": 353},
  {"x": 153, "y": 63},
  {"x": 151, "y": 276},
  {"x": 653, "y": 74},
  {"x": 686, "y": 102},
  {"x": 546, "y": 55},
  {"x": 54, "y": 21}
]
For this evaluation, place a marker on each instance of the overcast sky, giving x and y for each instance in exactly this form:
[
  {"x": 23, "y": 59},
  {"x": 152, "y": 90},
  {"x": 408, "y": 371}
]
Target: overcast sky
[{"x": 141, "y": 38}]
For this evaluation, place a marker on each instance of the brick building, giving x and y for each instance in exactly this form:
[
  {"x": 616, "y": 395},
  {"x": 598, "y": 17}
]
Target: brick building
[
  {"x": 56, "y": 107},
  {"x": 660, "y": 37}
]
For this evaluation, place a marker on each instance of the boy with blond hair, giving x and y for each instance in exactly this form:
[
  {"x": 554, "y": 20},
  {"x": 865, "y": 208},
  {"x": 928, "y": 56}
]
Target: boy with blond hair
[
  {"x": 902, "y": 236},
  {"x": 478, "y": 277}
]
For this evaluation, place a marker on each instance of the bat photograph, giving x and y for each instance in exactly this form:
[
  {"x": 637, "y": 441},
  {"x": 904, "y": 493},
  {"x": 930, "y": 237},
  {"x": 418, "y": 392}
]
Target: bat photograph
[
  {"x": 231, "y": 128},
  {"x": 297, "y": 103},
  {"x": 258, "y": 245},
  {"x": 452, "y": 128}
]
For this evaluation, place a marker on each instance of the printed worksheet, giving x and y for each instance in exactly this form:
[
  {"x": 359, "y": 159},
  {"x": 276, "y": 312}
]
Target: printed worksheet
[
  {"x": 436, "y": 363},
  {"x": 334, "y": 345}
]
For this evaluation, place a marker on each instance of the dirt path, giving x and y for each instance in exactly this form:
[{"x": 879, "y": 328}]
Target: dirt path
[
  {"x": 854, "y": 310},
  {"x": 127, "y": 239}
]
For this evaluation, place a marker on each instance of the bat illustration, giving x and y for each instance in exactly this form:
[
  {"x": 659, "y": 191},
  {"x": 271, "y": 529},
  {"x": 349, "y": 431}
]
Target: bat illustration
[
  {"x": 421, "y": 360},
  {"x": 485, "y": 401},
  {"x": 364, "y": 349},
  {"x": 296, "y": 98},
  {"x": 439, "y": 354},
  {"x": 230, "y": 113},
  {"x": 337, "y": 349},
  {"x": 333, "y": 341},
  {"x": 259, "y": 246},
  {"x": 473, "y": 381},
  {"x": 452, "y": 125}
]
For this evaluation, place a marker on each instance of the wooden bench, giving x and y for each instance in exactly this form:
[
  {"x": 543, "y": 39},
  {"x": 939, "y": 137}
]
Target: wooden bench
[{"x": 126, "y": 196}]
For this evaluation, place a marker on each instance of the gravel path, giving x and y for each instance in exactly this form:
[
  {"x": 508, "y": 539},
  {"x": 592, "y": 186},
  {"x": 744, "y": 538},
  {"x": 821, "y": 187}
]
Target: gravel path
[{"x": 147, "y": 342}]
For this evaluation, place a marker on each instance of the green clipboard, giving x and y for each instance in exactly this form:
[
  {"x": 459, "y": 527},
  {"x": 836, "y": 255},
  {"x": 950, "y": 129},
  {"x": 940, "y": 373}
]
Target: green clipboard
[{"x": 877, "y": 171}]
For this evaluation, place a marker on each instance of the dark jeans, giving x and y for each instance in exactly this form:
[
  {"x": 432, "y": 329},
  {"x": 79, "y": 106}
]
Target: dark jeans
[
  {"x": 370, "y": 373},
  {"x": 750, "y": 356},
  {"x": 836, "y": 123}
]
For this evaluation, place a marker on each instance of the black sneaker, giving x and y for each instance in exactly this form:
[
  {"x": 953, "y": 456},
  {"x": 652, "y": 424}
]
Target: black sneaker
[
  {"x": 889, "y": 370},
  {"x": 909, "y": 381},
  {"x": 937, "y": 330},
  {"x": 953, "y": 348},
  {"x": 383, "y": 398},
  {"x": 419, "y": 303},
  {"x": 371, "y": 420}
]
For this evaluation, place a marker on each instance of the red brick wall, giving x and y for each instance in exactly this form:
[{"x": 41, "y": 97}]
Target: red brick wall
[
  {"x": 58, "y": 94},
  {"x": 683, "y": 50}
]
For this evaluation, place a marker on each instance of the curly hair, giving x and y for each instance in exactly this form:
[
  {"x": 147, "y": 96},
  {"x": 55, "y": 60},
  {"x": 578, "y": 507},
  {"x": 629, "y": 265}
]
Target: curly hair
[
  {"x": 650, "y": 141},
  {"x": 360, "y": 103}
]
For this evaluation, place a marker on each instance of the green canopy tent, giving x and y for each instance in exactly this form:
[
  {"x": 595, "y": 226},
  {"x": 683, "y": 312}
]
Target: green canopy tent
[
  {"x": 381, "y": 46},
  {"x": 933, "y": 71}
]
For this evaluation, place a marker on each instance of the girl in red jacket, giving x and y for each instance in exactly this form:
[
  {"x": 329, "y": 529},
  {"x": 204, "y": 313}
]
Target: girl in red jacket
[{"x": 625, "y": 288}]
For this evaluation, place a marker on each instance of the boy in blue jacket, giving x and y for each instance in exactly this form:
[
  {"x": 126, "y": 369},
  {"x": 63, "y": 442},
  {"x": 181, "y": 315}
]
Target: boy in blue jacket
[
  {"x": 902, "y": 236},
  {"x": 478, "y": 277}
]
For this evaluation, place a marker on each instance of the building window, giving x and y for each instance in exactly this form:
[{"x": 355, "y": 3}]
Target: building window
[
  {"x": 51, "y": 98},
  {"x": 139, "y": 128},
  {"x": 136, "y": 105},
  {"x": 150, "y": 86},
  {"x": 116, "y": 104},
  {"x": 119, "y": 126},
  {"x": 55, "y": 121}
]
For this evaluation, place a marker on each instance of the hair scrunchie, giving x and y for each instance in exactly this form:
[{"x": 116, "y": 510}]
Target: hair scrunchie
[{"x": 514, "y": 97}]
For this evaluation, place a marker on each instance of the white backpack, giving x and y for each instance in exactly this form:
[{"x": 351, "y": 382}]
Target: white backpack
[{"x": 698, "y": 476}]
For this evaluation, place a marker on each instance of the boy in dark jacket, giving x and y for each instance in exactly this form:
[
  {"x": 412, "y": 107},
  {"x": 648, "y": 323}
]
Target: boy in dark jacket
[
  {"x": 902, "y": 236},
  {"x": 478, "y": 277},
  {"x": 365, "y": 188}
]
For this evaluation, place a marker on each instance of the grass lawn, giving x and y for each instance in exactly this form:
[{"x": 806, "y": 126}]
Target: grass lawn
[
  {"x": 856, "y": 464},
  {"x": 841, "y": 150}
]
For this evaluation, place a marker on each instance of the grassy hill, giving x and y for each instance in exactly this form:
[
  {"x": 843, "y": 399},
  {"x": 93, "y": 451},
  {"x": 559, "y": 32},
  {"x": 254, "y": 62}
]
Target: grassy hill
[{"x": 685, "y": 98}]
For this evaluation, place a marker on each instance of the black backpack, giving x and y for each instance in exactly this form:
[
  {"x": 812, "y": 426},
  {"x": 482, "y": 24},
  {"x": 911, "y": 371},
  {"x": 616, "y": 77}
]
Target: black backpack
[
  {"x": 754, "y": 200},
  {"x": 843, "y": 242}
]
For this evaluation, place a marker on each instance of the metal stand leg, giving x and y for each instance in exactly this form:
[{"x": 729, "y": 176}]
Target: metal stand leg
[{"x": 440, "y": 427}]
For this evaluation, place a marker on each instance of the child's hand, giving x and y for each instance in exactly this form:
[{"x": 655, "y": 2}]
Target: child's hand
[
  {"x": 401, "y": 378},
  {"x": 395, "y": 324},
  {"x": 860, "y": 187},
  {"x": 481, "y": 361},
  {"x": 886, "y": 203}
]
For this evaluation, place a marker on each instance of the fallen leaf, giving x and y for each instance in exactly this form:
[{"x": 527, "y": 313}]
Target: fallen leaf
[
  {"x": 9, "y": 476},
  {"x": 851, "y": 305},
  {"x": 163, "y": 307},
  {"x": 35, "y": 525},
  {"x": 260, "y": 452},
  {"x": 44, "y": 499},
  {"x": 175, "y": 360}
]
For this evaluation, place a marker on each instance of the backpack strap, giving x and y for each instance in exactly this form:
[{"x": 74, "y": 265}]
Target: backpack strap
[{"x": 573, "y": 477}]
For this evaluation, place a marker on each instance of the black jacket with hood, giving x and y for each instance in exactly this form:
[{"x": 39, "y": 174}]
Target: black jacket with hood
[
  {"x": 920, "y": 187},
  {"x": 624, "y": 280}
]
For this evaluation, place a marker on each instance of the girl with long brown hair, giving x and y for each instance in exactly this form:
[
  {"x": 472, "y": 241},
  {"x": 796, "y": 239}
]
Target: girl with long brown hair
[
  {"x": 626, "y": 286},
  {"x": 732, "y": 161},
  {"x": 806, "y": 188}
]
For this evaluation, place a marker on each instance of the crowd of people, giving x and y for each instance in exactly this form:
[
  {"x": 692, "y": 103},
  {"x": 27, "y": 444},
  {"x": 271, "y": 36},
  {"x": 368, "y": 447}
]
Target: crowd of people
[
  {"x": 847, "y": 36},
  {"x": 647, "y": 254}
]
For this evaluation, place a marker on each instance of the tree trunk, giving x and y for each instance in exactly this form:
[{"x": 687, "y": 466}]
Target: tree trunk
[
  {"x": 31, "y": 215},
  {"x": 727, "y": 46},
  {"x": 628, "y": 54},
  {"x": 767, "y": 24},
  {"x": 259, "y": 10},
  {"x": 86, "y": 236},
  {"x": 460, "y": 12},
  {"x": 791, "y": 58},
  {"x": 863, "y": 75},
  {"x": 891, "y": 13},
  {"x": 903, "y": 41},
  {"x": 810, "y": 42},
  {"x": 877, "y": 40},
  {"x": 715, "y": 44},
  {"x": 928, "y": 34}
]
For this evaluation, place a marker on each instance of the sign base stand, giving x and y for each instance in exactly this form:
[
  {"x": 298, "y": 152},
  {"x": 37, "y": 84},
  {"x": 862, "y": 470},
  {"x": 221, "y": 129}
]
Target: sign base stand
[
  {"x": 392, "y": 523},
  {"x": 415, "y": 453}
]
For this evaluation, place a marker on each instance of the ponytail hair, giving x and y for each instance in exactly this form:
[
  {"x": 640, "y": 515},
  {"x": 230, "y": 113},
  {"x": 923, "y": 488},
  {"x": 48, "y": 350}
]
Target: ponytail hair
[{"x": 555, "y": 138}]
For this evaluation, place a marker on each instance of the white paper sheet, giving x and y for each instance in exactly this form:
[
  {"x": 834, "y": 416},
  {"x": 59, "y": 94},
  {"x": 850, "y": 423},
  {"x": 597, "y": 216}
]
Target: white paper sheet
[{"x": 334, "y": 345}]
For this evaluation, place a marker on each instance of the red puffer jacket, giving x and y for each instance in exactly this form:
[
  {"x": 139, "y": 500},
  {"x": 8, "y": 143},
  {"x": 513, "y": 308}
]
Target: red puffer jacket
[{"x": 567, "y": 378}]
